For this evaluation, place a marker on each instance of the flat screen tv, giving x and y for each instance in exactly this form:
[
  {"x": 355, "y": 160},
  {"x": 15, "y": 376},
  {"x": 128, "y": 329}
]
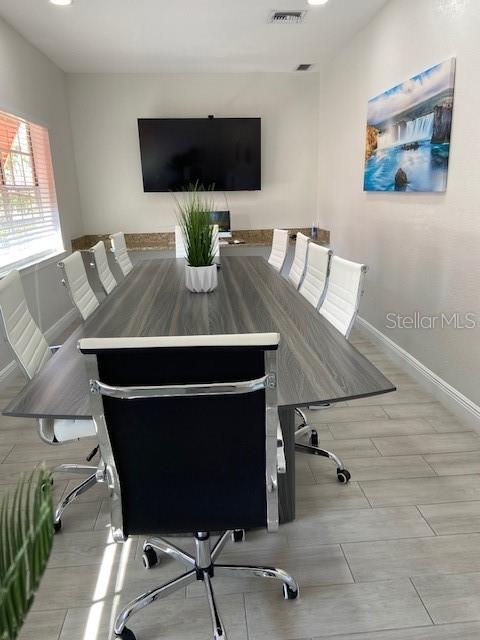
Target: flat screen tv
[{"x": 219, "y": 153}]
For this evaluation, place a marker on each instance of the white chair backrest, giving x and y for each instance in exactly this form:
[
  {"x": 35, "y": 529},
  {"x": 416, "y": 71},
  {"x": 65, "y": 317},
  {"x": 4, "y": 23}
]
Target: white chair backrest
[
  {"x": 316, "y": 273},
  {"x": 76, "y": 281},
  {"x": 101, "y": 262},
  {"x": 279, "y": 249},
  {"x": 215, "y": 242},
  {"x": 300, "y": 260},
  {"x": 23, "y": 335},
  {"x": 342, "y": 299},
  {"x": 120, "y": 252},
  {"x": 180, "y": 248}
]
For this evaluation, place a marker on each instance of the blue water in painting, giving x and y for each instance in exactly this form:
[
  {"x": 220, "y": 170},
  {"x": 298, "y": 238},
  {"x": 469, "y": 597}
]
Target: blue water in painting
[{"x": 426, "y": 168}]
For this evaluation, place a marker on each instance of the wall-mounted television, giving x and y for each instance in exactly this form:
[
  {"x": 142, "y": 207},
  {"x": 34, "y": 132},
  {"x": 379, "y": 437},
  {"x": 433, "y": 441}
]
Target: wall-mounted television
[{"x": 223, "y": 152}]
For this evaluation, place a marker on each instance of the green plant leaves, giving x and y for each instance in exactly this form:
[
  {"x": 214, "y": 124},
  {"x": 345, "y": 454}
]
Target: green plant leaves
[
  {"x": 26, "y": 538},
  {"x": 194, "y": 218}
]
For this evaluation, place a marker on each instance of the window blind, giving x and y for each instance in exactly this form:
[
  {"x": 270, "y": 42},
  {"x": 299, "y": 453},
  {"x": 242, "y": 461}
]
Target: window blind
[{"x": 29, "y": 222}]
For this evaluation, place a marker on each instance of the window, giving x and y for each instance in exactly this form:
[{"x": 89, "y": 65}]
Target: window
[{"x": 29, "y": 224}]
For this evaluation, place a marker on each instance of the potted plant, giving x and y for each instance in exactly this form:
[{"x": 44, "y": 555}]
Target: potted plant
[
  {"x": 194, "y": 219},
  {"x": 26, "y": 538}
]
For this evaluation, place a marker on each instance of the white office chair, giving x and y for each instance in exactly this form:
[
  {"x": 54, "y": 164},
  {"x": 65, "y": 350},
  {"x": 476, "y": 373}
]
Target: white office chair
[
  {"x": 339, "y": 307},
  {"x": 342, "y": 299},
  {"x": 100, "y": 261},
  {"x": 74, "y": 278},
  {"x": 119, "y": 248},
  {"x": 215, "y": 243},
  {"x": 31, "y": 351},
  {"x": 316, "y": 274},
  {"x": 299, "y": 261},
  {"x": 180, "y": 248},
  {"x": 279, "y": 249}
]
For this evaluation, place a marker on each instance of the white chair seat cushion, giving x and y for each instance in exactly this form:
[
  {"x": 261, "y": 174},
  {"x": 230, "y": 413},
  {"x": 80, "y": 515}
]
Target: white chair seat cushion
[{"x": 65, "y": 430}]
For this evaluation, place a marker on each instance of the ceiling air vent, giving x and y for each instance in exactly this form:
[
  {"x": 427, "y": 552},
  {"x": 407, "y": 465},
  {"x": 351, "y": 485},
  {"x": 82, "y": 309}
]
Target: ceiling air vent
[
  {"x": 287, "y": 17},
  {"x": 303, "y": 67}
]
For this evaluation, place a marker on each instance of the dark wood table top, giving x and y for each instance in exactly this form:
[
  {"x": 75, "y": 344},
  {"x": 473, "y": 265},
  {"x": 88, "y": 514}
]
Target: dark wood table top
[{"x": 315, "y": 362}]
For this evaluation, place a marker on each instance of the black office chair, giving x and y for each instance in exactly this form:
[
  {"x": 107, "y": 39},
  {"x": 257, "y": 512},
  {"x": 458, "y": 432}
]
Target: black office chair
[{"x": 187, "y": 429}]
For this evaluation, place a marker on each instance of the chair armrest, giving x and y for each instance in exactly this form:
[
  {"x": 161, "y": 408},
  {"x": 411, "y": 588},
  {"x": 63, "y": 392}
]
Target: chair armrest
[
  {"x": 281, "y": 461},
  {"x": 55, "y": 347}
]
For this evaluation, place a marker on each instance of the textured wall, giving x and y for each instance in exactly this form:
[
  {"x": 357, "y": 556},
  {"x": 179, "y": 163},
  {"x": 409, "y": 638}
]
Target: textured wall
[
  {"x": 423, "y": 249},
  {"x": 104, "y": 112}
]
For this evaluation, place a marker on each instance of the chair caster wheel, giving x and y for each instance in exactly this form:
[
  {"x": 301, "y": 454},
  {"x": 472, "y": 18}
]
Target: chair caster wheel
[
  {"x": 149, "y": 557},
  {"x": 57, "y": 526},
  {"x": 289, "y": 594},
  {"x": 314, "y": 439},
  {"x": 126, "y": 634},
  {"x": 343, "y": 476},
  {"x": 238, "y": 535}
]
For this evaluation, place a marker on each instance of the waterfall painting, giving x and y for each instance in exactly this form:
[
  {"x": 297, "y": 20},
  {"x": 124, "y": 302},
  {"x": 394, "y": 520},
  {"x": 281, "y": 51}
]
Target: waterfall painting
[{"x": 408, "y": 133}]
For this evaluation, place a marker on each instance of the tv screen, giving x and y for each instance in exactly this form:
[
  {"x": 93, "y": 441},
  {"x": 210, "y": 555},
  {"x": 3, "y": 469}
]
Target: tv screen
[{"x": 221, "y": 153}]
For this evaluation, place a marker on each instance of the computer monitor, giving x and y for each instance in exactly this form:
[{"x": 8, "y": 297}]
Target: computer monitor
[{"x": 222, "y": 218}]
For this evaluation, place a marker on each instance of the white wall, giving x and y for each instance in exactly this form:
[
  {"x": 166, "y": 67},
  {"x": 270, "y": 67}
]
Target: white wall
[
  {"x": 423, "y": 249},
  {"x": 31, "y": 86},
  {"x": 104, "y": 112}
]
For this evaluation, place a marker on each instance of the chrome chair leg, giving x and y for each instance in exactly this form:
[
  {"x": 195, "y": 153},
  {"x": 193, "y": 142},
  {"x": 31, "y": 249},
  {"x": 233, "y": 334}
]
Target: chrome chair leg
[
  {"x": 219, "y": 545},
  {"x": 159, "y": 544},
  {"x": 204, "y": 570},
  {"x": 245, "y": 571},
  {"x": 343, "y": 475},
  {"x": 302, "y": 417},
  {"x": 81, "y": 469},
  {"x": 70, "y": 497},
  {"x": 151, "y": 596},
  {"x": 218, "y": 628}
]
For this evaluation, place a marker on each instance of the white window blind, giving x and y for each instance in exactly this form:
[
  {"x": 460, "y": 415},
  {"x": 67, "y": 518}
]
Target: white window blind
[{"x": 29, "y": 223}]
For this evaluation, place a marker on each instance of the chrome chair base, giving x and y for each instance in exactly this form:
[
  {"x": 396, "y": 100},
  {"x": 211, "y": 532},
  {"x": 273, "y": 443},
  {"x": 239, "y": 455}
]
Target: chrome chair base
[
  {"x": 343, "y": 475},
  {"x": 85, "y": 485},
  {"x": 202, "y": 567}
]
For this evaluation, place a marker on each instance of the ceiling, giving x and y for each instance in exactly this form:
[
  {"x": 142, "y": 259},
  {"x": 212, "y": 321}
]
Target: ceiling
[{"x": 185, "y": 35}]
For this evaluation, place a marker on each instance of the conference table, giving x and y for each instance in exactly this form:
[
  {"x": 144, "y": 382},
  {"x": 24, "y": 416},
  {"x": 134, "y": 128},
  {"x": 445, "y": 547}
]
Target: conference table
[{"x": 316, "y": 364}]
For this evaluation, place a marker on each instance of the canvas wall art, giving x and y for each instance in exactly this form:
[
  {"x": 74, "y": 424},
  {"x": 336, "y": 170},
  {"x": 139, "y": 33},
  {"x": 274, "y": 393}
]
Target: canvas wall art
[{"x": 408, "y": 133}]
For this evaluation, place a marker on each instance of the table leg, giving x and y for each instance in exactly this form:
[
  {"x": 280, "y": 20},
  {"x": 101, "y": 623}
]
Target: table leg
[{"x": 286, "y": 482}]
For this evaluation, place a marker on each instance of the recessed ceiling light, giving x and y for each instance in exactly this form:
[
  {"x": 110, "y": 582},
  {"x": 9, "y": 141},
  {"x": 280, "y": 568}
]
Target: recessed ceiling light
[
  {"x": 317, "y": 2},
  {"x": 61, "y": 3}
]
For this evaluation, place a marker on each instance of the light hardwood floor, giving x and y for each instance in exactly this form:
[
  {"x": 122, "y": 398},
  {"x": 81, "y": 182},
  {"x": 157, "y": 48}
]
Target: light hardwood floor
[{"x": 394, "y": 555}]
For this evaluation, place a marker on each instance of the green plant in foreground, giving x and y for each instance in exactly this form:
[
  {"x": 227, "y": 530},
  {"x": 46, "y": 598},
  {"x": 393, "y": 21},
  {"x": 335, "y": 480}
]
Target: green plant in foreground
[
  {"x": 26, "y": 538},
  {"x": 194, "y": 218}
]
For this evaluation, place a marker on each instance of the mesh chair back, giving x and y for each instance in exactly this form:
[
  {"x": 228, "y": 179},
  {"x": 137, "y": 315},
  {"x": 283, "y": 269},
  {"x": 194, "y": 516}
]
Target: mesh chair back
[{"x": 186, "y": 463}]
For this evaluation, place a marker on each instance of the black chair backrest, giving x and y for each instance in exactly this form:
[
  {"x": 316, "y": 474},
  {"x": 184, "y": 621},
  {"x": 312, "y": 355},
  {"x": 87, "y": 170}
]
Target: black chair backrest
[{"x": 184, "y": 464}]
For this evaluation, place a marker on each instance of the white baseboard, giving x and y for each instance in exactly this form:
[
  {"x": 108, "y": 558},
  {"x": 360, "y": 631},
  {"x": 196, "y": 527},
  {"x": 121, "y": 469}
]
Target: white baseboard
[
  {"x": 466, "y": 411},
  {"x": 51, "y": 334}
]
